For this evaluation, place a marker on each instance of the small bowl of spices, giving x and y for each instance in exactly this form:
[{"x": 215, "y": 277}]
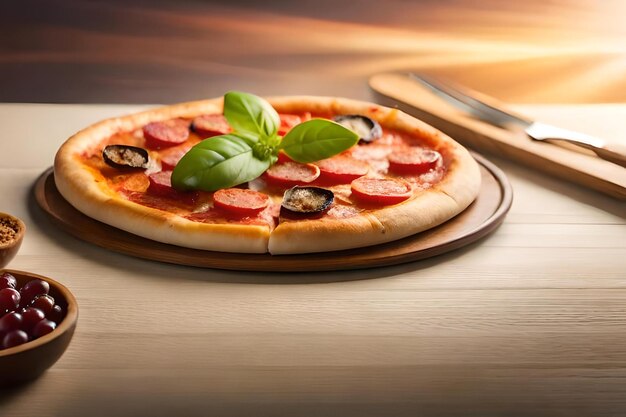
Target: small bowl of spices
[{"x": 12, "y": 232}]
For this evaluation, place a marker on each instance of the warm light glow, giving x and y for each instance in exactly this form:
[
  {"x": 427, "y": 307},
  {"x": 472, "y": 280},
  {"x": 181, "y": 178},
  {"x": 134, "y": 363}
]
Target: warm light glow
[{"x": 539, "y": 50}]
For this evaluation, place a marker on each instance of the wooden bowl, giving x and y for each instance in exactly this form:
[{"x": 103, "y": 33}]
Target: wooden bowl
[
  {"x": 28, "y": 361},
  {"x": 9, "y": 245}
]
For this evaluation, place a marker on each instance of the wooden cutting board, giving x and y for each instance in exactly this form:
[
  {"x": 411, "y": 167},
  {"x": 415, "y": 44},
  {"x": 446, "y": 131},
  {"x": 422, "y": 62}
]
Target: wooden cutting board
[{"x": 586, "y": 169}]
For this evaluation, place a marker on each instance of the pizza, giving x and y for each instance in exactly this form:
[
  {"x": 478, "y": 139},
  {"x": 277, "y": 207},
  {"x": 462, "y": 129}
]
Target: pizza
[{"x": 398, "y": 177}]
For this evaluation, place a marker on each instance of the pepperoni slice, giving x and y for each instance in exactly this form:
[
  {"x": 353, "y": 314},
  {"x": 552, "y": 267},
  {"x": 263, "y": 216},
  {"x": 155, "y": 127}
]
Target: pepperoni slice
[
  {"x": 161, "y": 185},
  {"x": 210, "y": 125},
  {"x": 241, "y": 201},
  {"x": 170, "y": 157},
  {"x": 292, "y": 173},
  {"x": 165, "y": 134},
  {"x": 342, "y": 169},
  {"x": 413, "y": 160},
  {"x": 385, "y": 191}
]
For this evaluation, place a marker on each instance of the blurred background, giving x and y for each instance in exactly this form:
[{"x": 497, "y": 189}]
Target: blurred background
[{"x": 164, "y": 51}]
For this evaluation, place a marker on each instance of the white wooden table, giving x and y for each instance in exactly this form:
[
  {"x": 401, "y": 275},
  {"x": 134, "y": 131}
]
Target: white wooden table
[{"x": 529, "y": 321}]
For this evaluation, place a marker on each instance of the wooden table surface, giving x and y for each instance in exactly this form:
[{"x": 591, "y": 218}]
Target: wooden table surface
[{"x": 529, "y": 321}]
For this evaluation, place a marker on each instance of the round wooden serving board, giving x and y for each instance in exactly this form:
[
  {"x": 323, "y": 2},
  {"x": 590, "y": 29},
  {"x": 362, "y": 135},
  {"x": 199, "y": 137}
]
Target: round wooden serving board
[{"x": 478, "y": 220}]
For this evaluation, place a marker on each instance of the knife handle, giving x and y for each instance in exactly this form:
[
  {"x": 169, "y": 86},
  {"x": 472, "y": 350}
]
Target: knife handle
[{"x": 612, "y": 152}]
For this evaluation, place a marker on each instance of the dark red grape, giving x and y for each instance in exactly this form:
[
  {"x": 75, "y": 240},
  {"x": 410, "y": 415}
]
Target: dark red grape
[
  {"x": 14, "y": 338},
  {"x": 56, "y": 315},
  {"x": 7, "y": 281},
  {"x": 31, "y": 317},
  {"x": 43, "y": 328},
  {"x": 9, "y": 300},
  {"x": 32, "y": 289},
  {"x": 9, "y": 322},
  {"x": 43, "y": 303}
]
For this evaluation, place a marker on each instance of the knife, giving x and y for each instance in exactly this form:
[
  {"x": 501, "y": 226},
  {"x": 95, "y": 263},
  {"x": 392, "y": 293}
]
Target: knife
[{"x": 467, "y": 101}]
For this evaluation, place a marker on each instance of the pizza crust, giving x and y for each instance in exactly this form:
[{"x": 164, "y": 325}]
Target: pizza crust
[{"x": 424, "y": 210}]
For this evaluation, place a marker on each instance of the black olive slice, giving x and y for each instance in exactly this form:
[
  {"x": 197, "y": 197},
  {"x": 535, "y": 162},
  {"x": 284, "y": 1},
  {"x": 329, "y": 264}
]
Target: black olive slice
[
  {"x": 125, "y": 156},
  {"x": 306, "y": 200},
  {"x": 368, "y": 130}
]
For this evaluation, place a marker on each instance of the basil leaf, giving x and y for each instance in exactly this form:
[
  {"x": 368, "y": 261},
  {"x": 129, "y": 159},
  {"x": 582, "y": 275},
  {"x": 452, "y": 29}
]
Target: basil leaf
[
  {"x": 247, "y": 113},
  {"x": 317, "y": 139},
  {"x": 216, "y": 163}
]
